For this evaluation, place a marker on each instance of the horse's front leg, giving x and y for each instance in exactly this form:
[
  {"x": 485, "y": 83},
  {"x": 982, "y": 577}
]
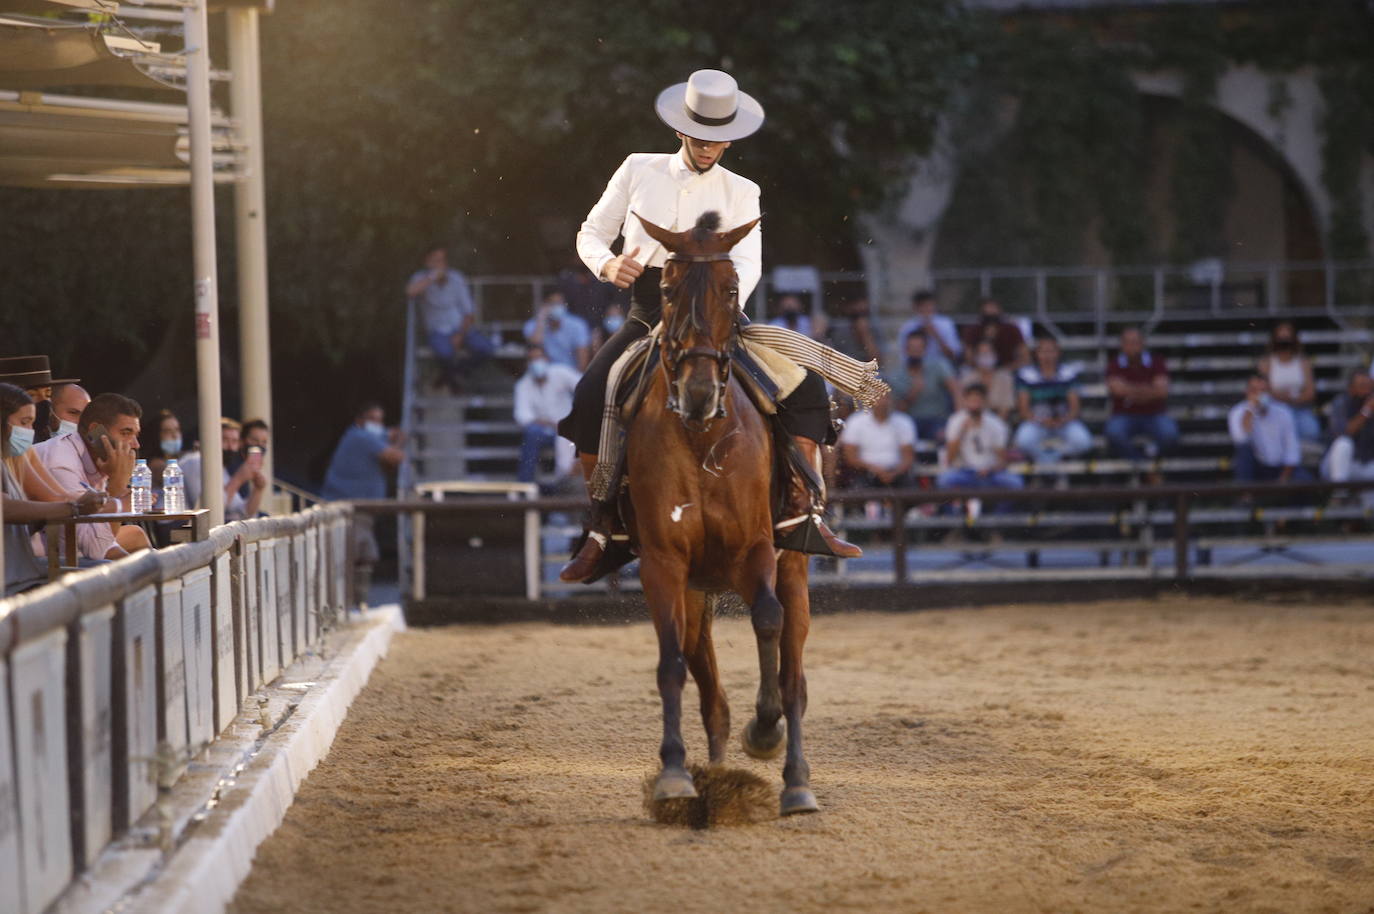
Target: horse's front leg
[
  {"x": 796, "y": 599},
  {"x": 664, "y": 578},
  {"x": 762, "y": 736}
]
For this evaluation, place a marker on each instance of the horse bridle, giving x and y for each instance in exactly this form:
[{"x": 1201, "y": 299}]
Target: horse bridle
[{"x": 720, "y": 357}]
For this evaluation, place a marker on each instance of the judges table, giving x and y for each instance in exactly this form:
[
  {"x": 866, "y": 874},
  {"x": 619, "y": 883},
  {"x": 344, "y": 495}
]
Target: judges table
[{"x": 195, "y": 523}]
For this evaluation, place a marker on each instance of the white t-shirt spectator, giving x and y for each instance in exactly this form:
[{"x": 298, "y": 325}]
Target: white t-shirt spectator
[
  {"x": 879, "y": 443},
  {"x": 981, "y": 444},
  {"x": 1273, "y": 437},
  {"x": 546, "y": 402}
]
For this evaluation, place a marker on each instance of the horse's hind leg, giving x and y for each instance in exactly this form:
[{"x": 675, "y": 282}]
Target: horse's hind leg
[
  {"x": 762, "y": 736},
  {"x": 701, "y": 660},
  {"x": 796, "y": 773},
  {"x": 665, "y": 588}
]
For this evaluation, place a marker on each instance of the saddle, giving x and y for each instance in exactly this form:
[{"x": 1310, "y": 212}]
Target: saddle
[{"x": 632, "y": 379}]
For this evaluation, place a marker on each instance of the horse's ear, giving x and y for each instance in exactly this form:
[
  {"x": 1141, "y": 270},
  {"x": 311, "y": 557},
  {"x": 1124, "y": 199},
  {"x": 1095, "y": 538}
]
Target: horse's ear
[
  {"x": 733, "y": 237},
  {"x": 658, "y": 233}
]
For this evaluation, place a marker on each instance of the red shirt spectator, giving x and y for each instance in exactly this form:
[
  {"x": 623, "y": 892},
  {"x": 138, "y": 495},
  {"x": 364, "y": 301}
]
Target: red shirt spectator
[{"x": 1136, "y": 373}]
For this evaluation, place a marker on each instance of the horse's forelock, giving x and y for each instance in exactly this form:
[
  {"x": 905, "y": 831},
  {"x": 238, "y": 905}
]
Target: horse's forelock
[{"x": 708, "y": 223}]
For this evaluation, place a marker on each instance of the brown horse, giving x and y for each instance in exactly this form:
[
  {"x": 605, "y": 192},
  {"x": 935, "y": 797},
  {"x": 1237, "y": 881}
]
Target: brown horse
[{"x": 700, "y": 461}]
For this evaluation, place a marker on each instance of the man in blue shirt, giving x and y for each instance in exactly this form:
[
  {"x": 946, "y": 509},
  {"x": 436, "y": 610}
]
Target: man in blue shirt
[
  {"x": 564, "y": 337},
  {"x": 1266, "y": 437},
  {"x": 448, "y": 314},
  {"x": 358, "y": 470}
]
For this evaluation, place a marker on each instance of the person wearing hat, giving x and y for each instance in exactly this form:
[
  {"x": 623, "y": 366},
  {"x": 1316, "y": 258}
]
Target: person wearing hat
[
  {"x": 707, "y": 113},
  {"x": 34, "y": 375}
]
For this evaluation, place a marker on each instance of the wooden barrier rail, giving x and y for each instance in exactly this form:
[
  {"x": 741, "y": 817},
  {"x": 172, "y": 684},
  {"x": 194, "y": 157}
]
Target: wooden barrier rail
[{"x": 114, "y": 678}]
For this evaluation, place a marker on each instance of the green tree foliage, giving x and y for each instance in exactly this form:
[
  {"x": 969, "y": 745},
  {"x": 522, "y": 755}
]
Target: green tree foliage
[{"x": 496, "y": 126}]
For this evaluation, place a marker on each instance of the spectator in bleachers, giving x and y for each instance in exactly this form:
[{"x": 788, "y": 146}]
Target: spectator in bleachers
[
  {"x": 542, "y": 397},
  {"x": 926, "y": 389},
  {"x": 976, "y": 446},
  {"x": 937, "y": 328},
  {"x": 1049, "y": 406},
  {"x": 611, "y": 321},
  {"x": 1291, "y": 381},
  {"x": 852, "y": 332},
  {"x": 588, "y": 297},
  {"x": 1265, "y": 436},
  {"x": 791, "y": 314},
  {"x": 358, "y": 468},
  {"x": 448, "y": 314},
  {"x": 996, "y": 380},
  {"x": 1351, "y": 455},
  {"x": 1005, "y": 335},
  {"x": 565, "y": 338},
  {"x": 1138, "y": 381},
  {"x": 99, "y": 456},
  {"x": 879, "y": 446}
]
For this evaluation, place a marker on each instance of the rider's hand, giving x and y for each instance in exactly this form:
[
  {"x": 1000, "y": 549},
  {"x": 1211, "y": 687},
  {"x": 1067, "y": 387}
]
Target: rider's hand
[{"x": 623, "y": 269}]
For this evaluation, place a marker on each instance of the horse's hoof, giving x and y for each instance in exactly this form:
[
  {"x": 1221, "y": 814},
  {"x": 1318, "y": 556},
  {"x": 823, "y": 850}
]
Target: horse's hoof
[
  {"x": 674, "y": 785},
  {"x": 762, "y": 746},
  {"x": 798, "y": 799}
]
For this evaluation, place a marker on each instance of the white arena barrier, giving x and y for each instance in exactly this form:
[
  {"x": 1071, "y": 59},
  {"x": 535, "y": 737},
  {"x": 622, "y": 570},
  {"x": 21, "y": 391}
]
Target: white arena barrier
[{"x": 114, "y": 679}]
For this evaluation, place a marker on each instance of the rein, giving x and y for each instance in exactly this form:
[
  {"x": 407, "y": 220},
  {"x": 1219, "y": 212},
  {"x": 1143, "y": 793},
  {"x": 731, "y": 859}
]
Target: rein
[{"x": 677, "y": 356}]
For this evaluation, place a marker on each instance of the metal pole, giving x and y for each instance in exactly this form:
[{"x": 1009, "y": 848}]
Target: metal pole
[
  {"x": 1181, "y": 505},
  {"x": 245, "y": 95},
  {"x": 203, "y": 244}
]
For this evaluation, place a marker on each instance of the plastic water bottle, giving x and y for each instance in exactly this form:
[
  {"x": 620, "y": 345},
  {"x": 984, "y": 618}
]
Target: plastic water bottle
[
  {"x": 173, "y": 489},
  {"x": 141, "y": 488}
]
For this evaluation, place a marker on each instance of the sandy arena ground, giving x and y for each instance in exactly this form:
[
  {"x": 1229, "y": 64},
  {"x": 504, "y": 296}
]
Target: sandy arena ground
[{"x": 1146, "y": 756}]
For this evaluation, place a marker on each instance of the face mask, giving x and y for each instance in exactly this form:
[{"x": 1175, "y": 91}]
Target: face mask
[
  {"x": 65, "y": 427},
  {"x": 539, "y": 369},
  {"x": 21, "y": 439},
  {"x": 991, "y": 319},
  {"x": 914, "y": 362},
  {"x": 987, "y": 361},
  {"x": 375, "y": 428},
  {"x": 613, "y": 323},
  {"x": 1285, "y": 345},
  {"x": 976, "y": 413},
  {"x": 558, "y": 311},
  {"x": 171, "y": 446},
  {"x": 1265, "y": 399}
]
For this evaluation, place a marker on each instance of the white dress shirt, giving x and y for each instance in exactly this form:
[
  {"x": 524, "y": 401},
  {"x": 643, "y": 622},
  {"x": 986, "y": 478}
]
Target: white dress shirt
[
  {"x": 1273, "y": 437},
  {"x": 664, "y": 189},
  {"x": 547, "y": 401}
]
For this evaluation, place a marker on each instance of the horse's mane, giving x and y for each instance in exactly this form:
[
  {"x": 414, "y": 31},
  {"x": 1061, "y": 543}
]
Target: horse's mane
[{"x": 695, "y": 283}]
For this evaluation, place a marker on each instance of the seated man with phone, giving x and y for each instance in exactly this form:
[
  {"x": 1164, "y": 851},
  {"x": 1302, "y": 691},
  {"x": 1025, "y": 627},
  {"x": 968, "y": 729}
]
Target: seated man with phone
[{"x": 100, "y": 457}]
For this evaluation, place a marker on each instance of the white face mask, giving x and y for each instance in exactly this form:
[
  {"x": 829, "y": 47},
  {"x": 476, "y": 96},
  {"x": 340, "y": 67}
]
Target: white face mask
[
  {"x": 65, "y": 427},
  {"x": 987, "y": 361},
  {"x": 21, "y": 439},
  {"x": 375, "y": 428}
]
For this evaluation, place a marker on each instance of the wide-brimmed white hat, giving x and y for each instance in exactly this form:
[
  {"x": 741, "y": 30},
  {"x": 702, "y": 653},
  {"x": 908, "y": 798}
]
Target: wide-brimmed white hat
[{"x": 709, "y": 106}]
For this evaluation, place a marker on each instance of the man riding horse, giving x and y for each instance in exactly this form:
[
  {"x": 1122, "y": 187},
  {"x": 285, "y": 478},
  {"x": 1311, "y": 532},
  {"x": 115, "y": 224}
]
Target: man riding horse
[{"x": 708, "y": 113}]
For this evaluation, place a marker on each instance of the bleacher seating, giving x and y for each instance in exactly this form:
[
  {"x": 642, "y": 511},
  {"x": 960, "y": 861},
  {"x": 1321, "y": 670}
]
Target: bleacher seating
[{"x": 474, "y": 436}]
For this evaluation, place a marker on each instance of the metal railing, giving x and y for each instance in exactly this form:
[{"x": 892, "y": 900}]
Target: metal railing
[
  {"x": 1053, "y": 295},
  {"x": 1180, "y": 501},
  {"x": 113, "y": 680}
]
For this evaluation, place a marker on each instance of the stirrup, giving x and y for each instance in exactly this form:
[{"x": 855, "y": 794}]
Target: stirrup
[{"x": 802, "y": 534}]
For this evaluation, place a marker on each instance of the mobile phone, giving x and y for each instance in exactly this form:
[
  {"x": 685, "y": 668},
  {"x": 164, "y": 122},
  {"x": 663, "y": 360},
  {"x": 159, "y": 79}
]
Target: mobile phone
[
  {"x": 93, "y": 435},
  {"x": 254, "y": 458}
]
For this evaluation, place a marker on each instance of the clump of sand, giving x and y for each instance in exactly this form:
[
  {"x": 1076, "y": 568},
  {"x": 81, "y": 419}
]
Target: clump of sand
[{"x": 725, "y": 797}]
